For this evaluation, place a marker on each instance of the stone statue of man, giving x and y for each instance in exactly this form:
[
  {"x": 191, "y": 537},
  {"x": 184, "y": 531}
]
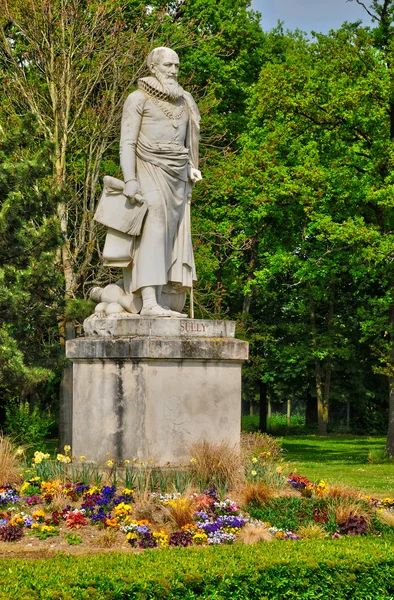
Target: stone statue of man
[{"x": 159, "y": 159}]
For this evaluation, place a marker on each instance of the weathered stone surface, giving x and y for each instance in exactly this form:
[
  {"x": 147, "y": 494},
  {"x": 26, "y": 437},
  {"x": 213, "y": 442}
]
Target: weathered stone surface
[
  {"x": 134, "y": 325},
  {"x": 144, "y": 347},
  {"x": 151, "y": 397},
  {"x": 153, "y": 409}
]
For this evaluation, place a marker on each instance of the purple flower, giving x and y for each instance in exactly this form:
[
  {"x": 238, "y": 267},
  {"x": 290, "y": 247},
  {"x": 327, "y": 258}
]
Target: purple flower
[
  {"x": 221, "y": 537},
  {"x": 28, "y": 521},
  {"x": 204, "y": 516},
  {"x": 9, "y": 496},
  {"x": 230, "y": 521},
  {"x": 31, "y": 500},
  {"x": 291, "y": 536}
]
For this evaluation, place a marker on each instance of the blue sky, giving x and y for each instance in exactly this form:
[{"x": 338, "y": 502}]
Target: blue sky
[{"x": 319, "y": 15}]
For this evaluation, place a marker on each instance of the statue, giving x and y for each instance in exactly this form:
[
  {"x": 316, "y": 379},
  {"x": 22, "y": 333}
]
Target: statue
[{"x": 148, "y": 214}]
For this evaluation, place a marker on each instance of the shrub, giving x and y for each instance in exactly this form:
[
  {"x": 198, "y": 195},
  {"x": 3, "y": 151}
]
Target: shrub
[
  {"x": 378, "y": 456},
  {"x": 11, "y": 533},
  {"x": 349, "y": 507},
  {"x": 216, "y": 464},
  {"x": 386, "y": 517},
  {"x": 256, "y": 444},
  {"x": 353, "y": 526},
  {"x": 360, "y": 569},
  {"x": 293, "y": 512},
  {"x": 181, "y": 510},
  {"x": 107, "y": 540},
  {"x": 27, "y": 426},
  {"x": 311, "y": 531},
  {"x": 9, "y": 462},
  {"x": 256, "y": 493},
  {"x": 253, "y": 534}
]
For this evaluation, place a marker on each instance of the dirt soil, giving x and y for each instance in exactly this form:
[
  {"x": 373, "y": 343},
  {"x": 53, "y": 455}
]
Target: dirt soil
[{"x": 94, "y": 541}]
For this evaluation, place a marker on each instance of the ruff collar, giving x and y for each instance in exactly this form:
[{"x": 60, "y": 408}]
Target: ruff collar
[{"x": 153, "y": 87}]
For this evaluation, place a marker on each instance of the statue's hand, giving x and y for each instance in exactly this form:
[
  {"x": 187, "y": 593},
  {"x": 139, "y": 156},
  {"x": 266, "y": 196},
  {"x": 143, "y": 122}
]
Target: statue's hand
[
  {"x": 194, "y": 175},
  {"x": 131, "y": 191}
]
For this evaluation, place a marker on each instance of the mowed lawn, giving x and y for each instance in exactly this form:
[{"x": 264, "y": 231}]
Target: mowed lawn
[{"x": 341, "y": 459}]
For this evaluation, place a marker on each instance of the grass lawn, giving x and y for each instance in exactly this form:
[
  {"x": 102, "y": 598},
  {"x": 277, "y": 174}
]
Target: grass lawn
[{"x": 341, "y": 459}]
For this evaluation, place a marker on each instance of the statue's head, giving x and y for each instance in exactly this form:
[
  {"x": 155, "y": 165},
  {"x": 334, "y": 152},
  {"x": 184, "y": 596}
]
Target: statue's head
[{"x": 163, "y": 64}]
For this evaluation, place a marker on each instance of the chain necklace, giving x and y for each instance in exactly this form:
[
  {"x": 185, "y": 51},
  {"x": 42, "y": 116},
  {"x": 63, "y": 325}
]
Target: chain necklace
[{"x": 172, "y": 115}]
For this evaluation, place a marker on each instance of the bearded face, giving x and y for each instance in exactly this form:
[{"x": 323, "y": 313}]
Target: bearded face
[{"x": 165, "y": 69}]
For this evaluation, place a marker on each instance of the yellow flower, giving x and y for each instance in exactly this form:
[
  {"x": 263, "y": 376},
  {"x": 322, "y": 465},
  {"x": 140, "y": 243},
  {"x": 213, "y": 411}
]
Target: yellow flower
[
  {"x": 122, "y": 510},
  {"x": 279, "y": 469},
  {"x": 135, "y": 460},
  {"x": 161, "y": 538},
  {"x": 39, "y": 515},
  {"x": 200, "y": 538},
  {"x": 82, "y": 458},
  {"x": 67, "y": 448},
  {"x": 321, "y": 488},
  {"x": 254, "y": 460},
  {"x": 127, "y": 492},
  {"x": 253, "y": 473},
  {"x": 51, "y": 487},
  {"x": 193, "y": 460},
  {"x": 19, "y": 451},
  {"x": 108, "y": 454},
  {"x": 126, "y": 462},
  {"x": 110, "y": 463}
]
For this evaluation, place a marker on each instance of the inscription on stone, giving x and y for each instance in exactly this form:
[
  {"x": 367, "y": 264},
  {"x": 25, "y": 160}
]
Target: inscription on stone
[{"x": 191, "y": 327}]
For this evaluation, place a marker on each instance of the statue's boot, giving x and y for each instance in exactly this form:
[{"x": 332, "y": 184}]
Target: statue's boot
[
  {"x": 175, "y": 314},
  {"x": 156, "y": 311}
]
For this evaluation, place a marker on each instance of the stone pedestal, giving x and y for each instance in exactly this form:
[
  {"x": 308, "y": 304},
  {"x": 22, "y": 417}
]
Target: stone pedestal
[{"x": 148, "y": 388}]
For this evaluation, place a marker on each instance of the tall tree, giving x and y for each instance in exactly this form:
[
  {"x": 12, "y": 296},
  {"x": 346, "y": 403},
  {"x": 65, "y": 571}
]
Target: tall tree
[{"x": 29, "y": 300}]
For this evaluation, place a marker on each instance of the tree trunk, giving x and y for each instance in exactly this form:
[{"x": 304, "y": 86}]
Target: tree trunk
[
  {"x": 263, "y": 407},
  {"x": 288, "y": 411},
  {"x": 390, "y": 432},
  {"x": 322, "y": 404},
  {"x": 66, "y": 396},
  {"x": 251, "y": 270},
  {"x": 310, "y": 411}
]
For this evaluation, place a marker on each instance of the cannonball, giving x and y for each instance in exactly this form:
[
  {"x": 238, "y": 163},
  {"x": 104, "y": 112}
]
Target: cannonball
[
  {"x": 101, "y": 307},
  {"x": 111, "y": 293},
  {"x": 113, "y": 308},
  {"x": 95, "y": 294},
  {"x": 132, "y": 304}
]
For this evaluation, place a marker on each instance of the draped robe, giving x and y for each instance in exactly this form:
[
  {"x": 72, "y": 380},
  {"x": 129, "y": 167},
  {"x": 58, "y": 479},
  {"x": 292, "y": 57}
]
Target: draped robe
[{"x": 162, "y": 149}]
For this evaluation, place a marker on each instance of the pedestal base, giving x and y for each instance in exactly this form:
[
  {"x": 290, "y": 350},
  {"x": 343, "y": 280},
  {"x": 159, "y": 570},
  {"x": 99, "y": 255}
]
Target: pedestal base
[{"x": 150, "y": 397}]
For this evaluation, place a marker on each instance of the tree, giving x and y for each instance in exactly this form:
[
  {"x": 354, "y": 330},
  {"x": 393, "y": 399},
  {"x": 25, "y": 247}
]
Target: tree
[
  {"x": 309, "y": 198},
  {"x": 29, "y": 302}
]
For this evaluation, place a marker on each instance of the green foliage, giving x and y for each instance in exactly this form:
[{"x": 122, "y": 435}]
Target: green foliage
[
  {"x": 78, "y": 309},
  {"x": 377, "y": 456},
  {"x": 360, "y": 569},
  {"x": 27, "y": 426},
  {"x": 290, "y": 513},
  {"x": 277, "y": 424},
  {"x": 28, "y": 278},
  {"x": 73, "y": 539}
]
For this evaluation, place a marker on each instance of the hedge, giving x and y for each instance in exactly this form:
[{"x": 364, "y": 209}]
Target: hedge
[{"x": 351, "y": 568}]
